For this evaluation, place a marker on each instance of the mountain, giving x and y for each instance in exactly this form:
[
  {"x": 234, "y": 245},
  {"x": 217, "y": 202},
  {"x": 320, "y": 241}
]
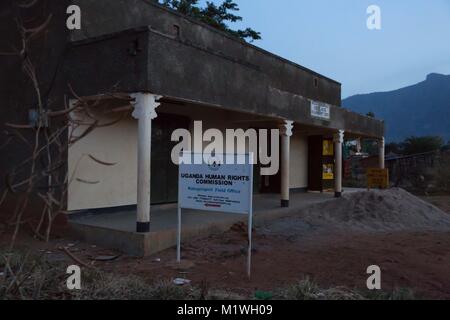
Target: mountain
[{"x": 422, "y": 109}]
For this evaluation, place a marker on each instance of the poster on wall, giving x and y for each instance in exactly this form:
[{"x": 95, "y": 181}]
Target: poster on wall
[
  {"x": 328, "y": 172},
  {"x": 328, "y": 148}
]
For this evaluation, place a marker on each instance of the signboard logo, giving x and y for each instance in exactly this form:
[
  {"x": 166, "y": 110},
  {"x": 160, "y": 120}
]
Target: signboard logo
[
  {"x": 214, "y": 164},
  {"x": 320, "y": 110}
]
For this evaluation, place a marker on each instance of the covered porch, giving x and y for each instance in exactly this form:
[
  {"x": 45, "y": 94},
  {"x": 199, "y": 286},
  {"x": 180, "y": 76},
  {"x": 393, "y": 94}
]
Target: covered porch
[
  {"x": 139, "y": 149},
  {"x": 116, "y": 228}
]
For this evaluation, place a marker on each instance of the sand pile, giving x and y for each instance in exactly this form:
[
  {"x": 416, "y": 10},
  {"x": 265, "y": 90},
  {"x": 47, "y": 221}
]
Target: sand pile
[{"x": 378, "y": 210}]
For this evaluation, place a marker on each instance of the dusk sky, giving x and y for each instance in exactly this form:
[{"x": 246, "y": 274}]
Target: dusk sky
[{"x": 331, "y": 37}]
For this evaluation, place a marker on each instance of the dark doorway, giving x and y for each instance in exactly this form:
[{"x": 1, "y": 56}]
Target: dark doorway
[
  {"x": 271, "y": 184},
  {"x": 315, "y": 165},
  {"x": 164, "y": 179}
]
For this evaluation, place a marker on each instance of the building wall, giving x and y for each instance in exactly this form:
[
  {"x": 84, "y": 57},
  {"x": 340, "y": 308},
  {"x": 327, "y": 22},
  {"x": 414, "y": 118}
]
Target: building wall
[
  {"x": 299, "y": 161},
  {"x": 113, "y": 186},
  {"x": 117, "y": 184},
  {"x": 152, "y": 49},
  {"x": 103, "y": 17}
]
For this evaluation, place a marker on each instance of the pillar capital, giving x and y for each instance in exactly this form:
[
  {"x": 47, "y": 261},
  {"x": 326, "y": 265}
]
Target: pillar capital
[
  {"x": 286, "y": 128},
  {"x": 339, "y": 136},
  {"x": 145, "y": 105}
]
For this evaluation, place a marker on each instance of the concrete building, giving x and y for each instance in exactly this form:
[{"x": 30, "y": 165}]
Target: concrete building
[{"x": 175, "y": 71}]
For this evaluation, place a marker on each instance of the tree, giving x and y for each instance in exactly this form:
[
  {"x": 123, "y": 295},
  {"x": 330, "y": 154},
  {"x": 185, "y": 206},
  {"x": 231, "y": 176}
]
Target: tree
[
  {"x": 214, "y": 15},
  {"x": 394, "y": 148},
  {"x": 371, "y": 114},
  {"x": 370, "y": 147},
  {"x": 416, "y": 145}
]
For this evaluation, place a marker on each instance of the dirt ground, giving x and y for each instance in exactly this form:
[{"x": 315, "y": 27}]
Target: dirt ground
[
  {"x": 419, "y": 261},
  {"x": 442, "y": 202},
  {"x": 286, "y": 251}
]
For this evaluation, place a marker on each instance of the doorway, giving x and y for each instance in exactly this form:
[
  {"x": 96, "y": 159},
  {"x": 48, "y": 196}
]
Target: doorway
[{"x": 164, "y": 173}]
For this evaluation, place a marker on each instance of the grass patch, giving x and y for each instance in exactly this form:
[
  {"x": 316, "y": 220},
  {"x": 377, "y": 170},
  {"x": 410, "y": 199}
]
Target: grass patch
[
  {"x": 307, "y": 289},
  {"x": 106, "y": 286},
  {"x": 396, "y": 294},
  {"x": 32, "y": 277},
  {"x": 29, "y": 276}
]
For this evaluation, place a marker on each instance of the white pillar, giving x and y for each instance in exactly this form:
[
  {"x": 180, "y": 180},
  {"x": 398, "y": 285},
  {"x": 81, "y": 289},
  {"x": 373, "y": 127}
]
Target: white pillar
[
  {"x": 381, "y": 153},
  {"x": 286, "y": 133},
  {"x": 338, "y": 141},
  {"x": 144, "y": 111},
  {"x": 358, "y": 146}
]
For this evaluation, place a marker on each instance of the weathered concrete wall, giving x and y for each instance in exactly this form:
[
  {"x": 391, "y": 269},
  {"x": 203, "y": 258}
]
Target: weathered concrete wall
[
  {"x": 102, "y": 17},
  {"x": 199, "y": 65},
  {"x": 181, "y": 71},
  {"x": 110, "y": 64}
]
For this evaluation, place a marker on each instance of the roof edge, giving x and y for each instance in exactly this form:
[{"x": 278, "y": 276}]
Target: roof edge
[{"x": 222, "y": 33}]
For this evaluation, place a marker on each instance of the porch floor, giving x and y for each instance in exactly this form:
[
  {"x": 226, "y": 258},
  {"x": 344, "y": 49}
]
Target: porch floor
[{"x": 116, "y": 230}]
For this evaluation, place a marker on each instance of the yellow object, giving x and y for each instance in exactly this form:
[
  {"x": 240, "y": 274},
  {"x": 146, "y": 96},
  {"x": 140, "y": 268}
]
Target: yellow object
[
  {"x": 328, "y": 148},
  {"x": 328, "y": 172},
  {"x": 377, "y": 178}
]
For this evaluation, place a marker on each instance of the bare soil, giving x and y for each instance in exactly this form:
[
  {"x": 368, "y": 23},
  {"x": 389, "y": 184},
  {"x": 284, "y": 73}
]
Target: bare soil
[
  {"x": 419, "y": 261},
  {"x": 443, "y": 202},
  {"x": 288, "y": 250}
]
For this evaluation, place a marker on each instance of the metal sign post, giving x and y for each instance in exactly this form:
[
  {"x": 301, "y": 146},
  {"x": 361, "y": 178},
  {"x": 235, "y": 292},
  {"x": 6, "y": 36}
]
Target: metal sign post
[
  {"x": 217, "y": 187},
  {"x": 250, "y": 226},
  {"x": 179, "y": 235}
]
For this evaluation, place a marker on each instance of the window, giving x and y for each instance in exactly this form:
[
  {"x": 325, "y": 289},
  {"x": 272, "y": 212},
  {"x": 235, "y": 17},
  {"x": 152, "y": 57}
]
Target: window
[{"x": 176, "y": 30}]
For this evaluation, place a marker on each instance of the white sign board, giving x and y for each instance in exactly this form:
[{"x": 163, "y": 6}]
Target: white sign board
[
  {"x": 215, "y": 186},
  {"x": 320, "y": 110}
]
